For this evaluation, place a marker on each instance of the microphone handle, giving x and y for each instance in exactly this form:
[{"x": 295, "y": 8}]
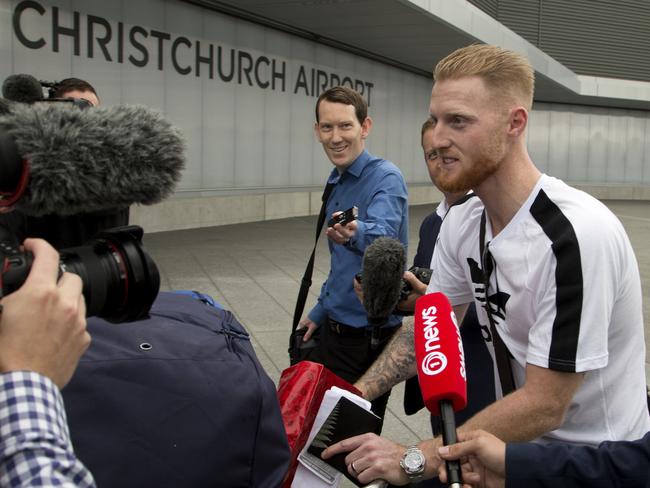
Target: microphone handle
[
  {"x": 449, "y": 437},
  {"x": 377, "y": 324}
]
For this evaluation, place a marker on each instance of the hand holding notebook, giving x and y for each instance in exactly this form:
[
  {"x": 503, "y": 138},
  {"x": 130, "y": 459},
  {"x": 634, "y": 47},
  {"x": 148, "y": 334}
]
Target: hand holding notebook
[{"x": 347, "y": 419}]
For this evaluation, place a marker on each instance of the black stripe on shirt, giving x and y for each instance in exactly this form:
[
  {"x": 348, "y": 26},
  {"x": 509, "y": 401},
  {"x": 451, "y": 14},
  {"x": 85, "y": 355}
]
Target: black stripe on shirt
[{"x": 568, "y": 282}]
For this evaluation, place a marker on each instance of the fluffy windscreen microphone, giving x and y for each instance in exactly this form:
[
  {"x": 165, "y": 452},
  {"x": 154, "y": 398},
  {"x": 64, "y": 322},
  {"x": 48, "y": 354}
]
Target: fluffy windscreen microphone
[
  {"x": 86, "y": 160},
  {"x": 22, "y": 88},
  {"x": 382, "y": 271},
  {"x": 440, "y": 363}
]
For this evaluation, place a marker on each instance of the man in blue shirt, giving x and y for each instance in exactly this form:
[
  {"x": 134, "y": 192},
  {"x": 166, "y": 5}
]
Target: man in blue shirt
[{"x": 377, "y": 188}]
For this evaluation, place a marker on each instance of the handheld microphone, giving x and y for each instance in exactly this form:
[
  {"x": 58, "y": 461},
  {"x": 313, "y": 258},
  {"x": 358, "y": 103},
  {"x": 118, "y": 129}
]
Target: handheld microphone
[
  {"x": 66, "y": 161},
  {"x": 441, "y": 367},
  {"x": 22, "y": 88},
  {"x": 382, "y": 270}
]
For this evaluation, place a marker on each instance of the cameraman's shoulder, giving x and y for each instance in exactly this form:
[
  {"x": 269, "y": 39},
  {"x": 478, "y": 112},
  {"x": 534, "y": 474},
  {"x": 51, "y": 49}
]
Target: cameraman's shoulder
[{"x": 431, "y": 221}]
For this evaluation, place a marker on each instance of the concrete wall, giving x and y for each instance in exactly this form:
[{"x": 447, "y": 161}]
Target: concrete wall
[
  {"x": 605, "y": 152},
  {"x": 187, "y": 213}
]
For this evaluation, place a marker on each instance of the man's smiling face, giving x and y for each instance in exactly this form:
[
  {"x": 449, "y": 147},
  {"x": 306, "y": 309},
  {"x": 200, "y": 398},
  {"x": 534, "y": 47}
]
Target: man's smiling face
[{"x": 340, "y": 133}]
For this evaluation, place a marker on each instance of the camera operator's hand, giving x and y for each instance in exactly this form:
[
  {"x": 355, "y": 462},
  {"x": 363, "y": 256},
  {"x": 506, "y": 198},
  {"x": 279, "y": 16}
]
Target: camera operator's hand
[
  {"x": 418, "y": 289},
  {"x": 43, "y": 323}
]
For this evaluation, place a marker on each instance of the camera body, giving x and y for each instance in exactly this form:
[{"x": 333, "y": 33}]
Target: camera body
[{"x": 120, "y": 280}]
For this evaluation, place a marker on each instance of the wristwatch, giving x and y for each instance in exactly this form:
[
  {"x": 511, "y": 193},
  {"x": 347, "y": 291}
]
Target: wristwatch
[{"x": 413, "y": 463}]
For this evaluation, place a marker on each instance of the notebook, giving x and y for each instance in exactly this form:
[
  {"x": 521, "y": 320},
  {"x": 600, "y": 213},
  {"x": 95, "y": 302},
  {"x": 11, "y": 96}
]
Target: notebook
[{"x": 347, "y": 419}]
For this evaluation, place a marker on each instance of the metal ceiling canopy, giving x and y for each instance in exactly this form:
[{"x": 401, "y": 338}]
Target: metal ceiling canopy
[{"x": 415, "y": 34}]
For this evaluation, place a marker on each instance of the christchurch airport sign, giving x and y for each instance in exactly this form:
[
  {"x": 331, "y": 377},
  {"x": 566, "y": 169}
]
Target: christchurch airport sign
[{"x": 117, "y": 42}]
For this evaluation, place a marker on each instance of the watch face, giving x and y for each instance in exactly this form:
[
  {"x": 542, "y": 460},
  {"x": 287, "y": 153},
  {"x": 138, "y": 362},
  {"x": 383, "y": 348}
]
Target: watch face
[{"x": 414, "y": 461}]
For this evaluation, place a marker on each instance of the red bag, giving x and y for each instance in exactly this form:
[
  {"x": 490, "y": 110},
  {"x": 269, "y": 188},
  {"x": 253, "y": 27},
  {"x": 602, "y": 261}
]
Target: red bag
[{"x": 300, "y": 391}]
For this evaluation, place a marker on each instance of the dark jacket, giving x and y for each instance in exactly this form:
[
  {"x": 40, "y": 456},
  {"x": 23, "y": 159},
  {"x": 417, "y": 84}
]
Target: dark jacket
[
  {"x": 611, "y": 464},
  {"x": 177, "y": 400}
]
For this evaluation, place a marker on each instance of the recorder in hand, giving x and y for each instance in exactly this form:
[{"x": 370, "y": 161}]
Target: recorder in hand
[
  {"x": 344, "y": 218},
  {"x": 344, "y": 231}
]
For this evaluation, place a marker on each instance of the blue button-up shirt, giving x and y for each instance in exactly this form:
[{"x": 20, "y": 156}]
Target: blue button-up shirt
[{"x": 377, "y": 188}]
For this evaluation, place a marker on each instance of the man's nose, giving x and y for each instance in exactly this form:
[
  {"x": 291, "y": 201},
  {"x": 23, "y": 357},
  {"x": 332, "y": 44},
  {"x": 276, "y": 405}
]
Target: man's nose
[
  {"x": 336, "y": 135},
  {"x": 440, "y": 137}
]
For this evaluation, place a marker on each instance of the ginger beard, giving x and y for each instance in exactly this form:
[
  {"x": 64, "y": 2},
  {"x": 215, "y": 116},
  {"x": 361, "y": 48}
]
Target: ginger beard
[{"x": 473, "y": 167}]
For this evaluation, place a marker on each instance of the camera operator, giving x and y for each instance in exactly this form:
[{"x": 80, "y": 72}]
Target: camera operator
[
  {"x": 76, "y": 88},
  {"x": 64, "y": 231},
  {"x": 42, "y": 336}
]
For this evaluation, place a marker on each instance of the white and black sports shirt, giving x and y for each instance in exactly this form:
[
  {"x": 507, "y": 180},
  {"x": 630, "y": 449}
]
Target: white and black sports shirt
[{"x": 565, "y": 294}]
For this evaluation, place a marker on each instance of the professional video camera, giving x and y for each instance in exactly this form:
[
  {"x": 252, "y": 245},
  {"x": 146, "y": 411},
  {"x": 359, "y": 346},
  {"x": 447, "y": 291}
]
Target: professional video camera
[
  {"x": 120, "y": 280},
  {"x": 57, "y": 159}
]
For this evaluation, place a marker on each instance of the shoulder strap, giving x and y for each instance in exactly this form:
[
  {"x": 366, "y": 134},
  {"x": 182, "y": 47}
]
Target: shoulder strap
[
  {"x": 501, "y": 352},
  {"x": 306, "y": 279}
]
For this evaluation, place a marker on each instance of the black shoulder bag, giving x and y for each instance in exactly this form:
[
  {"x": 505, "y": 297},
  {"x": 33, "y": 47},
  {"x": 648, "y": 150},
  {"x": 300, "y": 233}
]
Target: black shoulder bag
[{"x": 298, "y": 349}]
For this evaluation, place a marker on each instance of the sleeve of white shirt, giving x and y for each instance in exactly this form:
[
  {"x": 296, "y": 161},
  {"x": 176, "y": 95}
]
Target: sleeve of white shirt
[{"x": 603, "y": 259}]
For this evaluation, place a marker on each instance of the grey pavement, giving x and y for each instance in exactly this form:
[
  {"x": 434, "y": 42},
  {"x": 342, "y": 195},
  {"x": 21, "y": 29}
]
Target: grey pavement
[{"x": 254, "y": 270}]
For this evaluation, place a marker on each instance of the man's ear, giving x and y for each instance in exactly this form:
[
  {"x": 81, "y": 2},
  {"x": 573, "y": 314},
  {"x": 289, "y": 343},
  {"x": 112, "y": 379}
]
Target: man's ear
[
  {"x": 317, "y": 132},
  {"x": 365, "y": 127},
  {"x": 518, "y": 121}
]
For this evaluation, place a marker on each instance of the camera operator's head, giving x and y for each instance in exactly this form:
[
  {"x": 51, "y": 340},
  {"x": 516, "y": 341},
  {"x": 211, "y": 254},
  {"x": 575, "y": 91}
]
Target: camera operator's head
[
  {"x": 76, "y": 88},
  {"x": 431, "y": 159}
]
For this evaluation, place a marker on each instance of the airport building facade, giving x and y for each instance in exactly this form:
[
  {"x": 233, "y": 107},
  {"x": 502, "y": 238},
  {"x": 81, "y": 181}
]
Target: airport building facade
[{"x": 241, "y": 78}]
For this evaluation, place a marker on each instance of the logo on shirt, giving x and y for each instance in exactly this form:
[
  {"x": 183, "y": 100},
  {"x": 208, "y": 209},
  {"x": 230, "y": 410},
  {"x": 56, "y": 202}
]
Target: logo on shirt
[{"x": 494, "y": 304}]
